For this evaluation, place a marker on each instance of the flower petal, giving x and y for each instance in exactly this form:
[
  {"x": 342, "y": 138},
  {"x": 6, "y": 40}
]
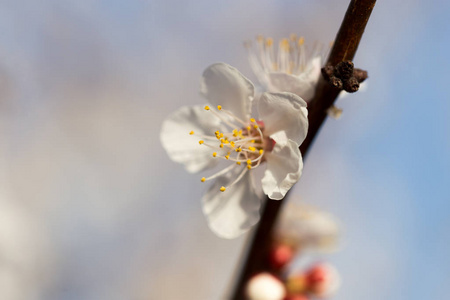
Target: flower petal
[
  {"x": 224, "y": 85},
  {"x": 235, "y": 211},
  {"x": 184, "y": 148},
  {"x": 303, "y": 85},
  {"x": 284, "y": 168},
  {"x": 284, "y": 112}
]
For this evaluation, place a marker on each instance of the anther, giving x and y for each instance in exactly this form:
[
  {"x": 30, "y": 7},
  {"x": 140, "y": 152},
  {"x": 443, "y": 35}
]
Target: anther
[
  {"x": 249, "y": 161},
  {"x": 261, "y": 151},
  {"x": 238, "y": 163},
  {"x": 200, "y": 142},
  {"x": 203, "y": 179},
  {"x": 206, "y": 107},
  {"x": 192, "y": 132},
  {"x": 227, "y": 156},
  {"x": 214, "y": 154},
  {"x": 252, "y": 120},
  {"x": 221, "y": 146},
  {"x": 222, "y": 189},
  {"x": 269, "y": 42},
  {"x": 249, "y": 167},
  {"x": 219, "y": 107},
  {"x": 301, "y": 41},
  {"x": 239, "y": 149},
  {"x": 252, "y": 148}
]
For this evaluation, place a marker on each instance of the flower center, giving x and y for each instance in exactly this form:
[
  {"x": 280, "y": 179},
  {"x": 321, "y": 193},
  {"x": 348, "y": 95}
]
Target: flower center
[{"x": 243, "y": 144}]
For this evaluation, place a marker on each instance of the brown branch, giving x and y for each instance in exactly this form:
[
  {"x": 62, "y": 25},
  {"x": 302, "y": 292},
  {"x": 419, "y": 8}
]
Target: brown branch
[{"x": 344, "y": 48}]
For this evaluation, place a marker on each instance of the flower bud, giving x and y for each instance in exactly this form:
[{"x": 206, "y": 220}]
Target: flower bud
[
  {"x": 322, "y": 280},
  {"x": 280, "y": 255},
  {"x": 265, "y": 286}
]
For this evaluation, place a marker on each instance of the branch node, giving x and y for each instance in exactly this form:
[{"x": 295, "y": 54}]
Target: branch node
[{"x": 344, "y": 76}]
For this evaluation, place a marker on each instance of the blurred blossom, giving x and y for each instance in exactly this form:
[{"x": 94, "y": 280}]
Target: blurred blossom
[
  {"x": 228, "y": 132},
  {"x": 24, "y": 256},
  {"x": 295, "y": 69},
  {"x": 308, "y": 228},
  {"x": 265, "y": 286},
  {"x": 323, "y": 280}
]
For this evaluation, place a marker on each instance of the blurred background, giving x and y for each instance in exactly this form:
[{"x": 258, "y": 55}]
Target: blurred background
[{"x": 91, "y": 207}]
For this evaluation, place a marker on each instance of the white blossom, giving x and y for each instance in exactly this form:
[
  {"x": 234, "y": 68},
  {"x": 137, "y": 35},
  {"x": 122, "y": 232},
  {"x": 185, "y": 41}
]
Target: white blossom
[
  {"x": 294, "y": 68},
  {"x": 200, "y": 136},
  {"x": 308, "y": 228}
]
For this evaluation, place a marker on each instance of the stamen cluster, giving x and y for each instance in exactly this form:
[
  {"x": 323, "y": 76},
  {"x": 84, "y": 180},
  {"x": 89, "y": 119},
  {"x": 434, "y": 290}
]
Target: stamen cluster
[
  {"x": 242, "y": 143},
  {"x": 292, "y": 57}
]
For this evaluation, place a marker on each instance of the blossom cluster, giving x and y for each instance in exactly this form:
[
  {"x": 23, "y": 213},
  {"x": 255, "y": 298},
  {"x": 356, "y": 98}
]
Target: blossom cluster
[{"x": 301, "y": 233}]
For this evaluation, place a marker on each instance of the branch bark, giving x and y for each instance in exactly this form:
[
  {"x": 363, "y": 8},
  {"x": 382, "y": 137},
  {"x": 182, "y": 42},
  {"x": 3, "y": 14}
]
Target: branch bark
[{"x": 344, "y": 48}]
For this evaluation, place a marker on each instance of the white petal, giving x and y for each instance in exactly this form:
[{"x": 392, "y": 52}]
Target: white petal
[
  {"x": 184, "y": 148},
  {"x": 284, "y": 112},
  {"x": 284, "y": 168},
  {"x": 303, "y": 85},
  {"x": 224, "y": 85},
  {"x": 235, "y": 211}
]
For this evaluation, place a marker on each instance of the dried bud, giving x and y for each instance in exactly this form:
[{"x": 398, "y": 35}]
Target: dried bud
[
  {"x": 336, "y": 82},
  {"x": 351, "y": 85},
  {"x": 344, "y": 70},
  {"x": 328, "y": 72},
  {"x": 265, "y": 286},
  {"x": 360, "y": 75},
  {"x": 344, "y": 76}
]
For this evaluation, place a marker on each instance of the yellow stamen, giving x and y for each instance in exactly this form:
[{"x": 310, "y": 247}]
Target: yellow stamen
[
  {"x": 255, "y": 126},
  {"x": 207, "y": 107},
  {"x": 232, "y": 144},
  {"x": 252, "y": 120},
  {"x": 249, "y": 167},
  {"x": 252, "y": 141},
  {"x": 222, "y": 189},
  {"x": 214, "y": 154},
  {"x": 301, "y": 41},
  {"x": 252, "y": 148},
  {"x": 285, "y": 45},
  {"x": 238, "y": 163},
  {"x": 221, "y": 146},
  {"x": 219, "y": 107},
  {"x": 227, "y": 156},
  {"x": 248, "y": 128},
  {"x": 261, "y": 151},
  {"x": 239, "y": 149},
  {"x": 249, "y": 161},
  {"x": 203, "y": 179},
  {"x": 200, "y": 142},
  {"x": 192, "y": 132},
  {"x": 269, "y": 42}
]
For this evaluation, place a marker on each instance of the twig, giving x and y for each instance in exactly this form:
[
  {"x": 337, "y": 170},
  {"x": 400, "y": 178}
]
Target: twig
[{"x": 344, "y": 48}]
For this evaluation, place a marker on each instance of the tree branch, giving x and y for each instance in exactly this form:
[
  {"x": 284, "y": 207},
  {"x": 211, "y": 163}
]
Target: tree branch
[{"x": 344, "y": 48}]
